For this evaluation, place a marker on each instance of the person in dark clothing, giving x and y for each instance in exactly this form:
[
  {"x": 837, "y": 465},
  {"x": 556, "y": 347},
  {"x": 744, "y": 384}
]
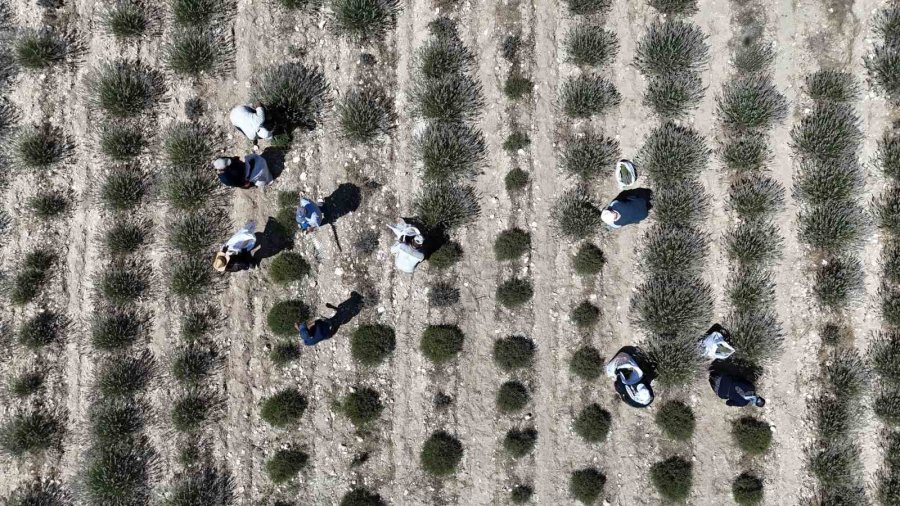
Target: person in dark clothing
[
  {"x": 629, "y": 207},
  {"x": 735, "y": 391},
  {"x": 232, "y": 172},
  {"x": 314, "y": 332}
]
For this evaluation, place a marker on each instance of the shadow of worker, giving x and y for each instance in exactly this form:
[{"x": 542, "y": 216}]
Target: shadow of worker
[
  {"x": 274, "y": 239},
  {"x": 342, "y": 201},
  {"x": 345, "y": 311}
]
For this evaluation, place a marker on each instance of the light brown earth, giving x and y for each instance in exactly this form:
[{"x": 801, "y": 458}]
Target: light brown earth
[{"x": 807, "y": 36}]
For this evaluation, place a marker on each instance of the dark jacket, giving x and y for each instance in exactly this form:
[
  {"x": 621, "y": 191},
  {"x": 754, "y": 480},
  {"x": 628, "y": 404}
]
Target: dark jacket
[
  {"x": 631, "y": 208},
  {"x": 734, "y": 390},
  {"x": 240, "y": 261},
  {"x": 234, "y": 174},
  {"x": 321, "y": 331}
]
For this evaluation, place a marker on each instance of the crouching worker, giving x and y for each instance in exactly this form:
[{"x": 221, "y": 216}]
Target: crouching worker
[
  {"x": 736, "y": 392},
  {"x": 629, "y": 207},
  {"x": 313, "y": 332},
  {"x": 629, "y": 380},
  {"x": 236, "y": 253},
  {"x": 250, "y": 121},
  {"x": 406, "y": 251},
  {"x": 309, "y": 216},
  {"x": 254, "y": 171}
]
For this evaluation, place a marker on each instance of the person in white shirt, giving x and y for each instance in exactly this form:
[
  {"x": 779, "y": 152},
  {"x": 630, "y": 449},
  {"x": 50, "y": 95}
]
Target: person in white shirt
[
  {"x": 235, "y": 254},
  {"x": 250, "y": 122}
]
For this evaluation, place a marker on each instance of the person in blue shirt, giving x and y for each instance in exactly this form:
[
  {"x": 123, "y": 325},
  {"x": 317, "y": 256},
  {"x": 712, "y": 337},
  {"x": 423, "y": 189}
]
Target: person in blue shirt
[
  {"x": 308, "y": 216},
  {"x": 314, "y": 332},
  {"x": 628, "y": 208},
  {"x": 735, "y": 391}
]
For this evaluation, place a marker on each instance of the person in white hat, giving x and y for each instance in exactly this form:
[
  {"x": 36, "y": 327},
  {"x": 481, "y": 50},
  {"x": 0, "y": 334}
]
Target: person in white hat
[
  {"x": 250, "y": 121},
  {"x": 628, "y": 208},
  {"x": 254, "y": 171}
]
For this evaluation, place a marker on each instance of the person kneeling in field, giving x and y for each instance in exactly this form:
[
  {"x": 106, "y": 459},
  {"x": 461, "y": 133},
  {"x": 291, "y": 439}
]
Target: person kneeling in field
[
  {"x": 235, "y": 254},
  {"x": 314, "y": 331},
  {"x": 736, "y": 391},
  {"x": 253, "y": 172},
  {"x": 629, "y": 207},
  {"x": 308, "y": 216},
  {"x": 250, "y": 121}
]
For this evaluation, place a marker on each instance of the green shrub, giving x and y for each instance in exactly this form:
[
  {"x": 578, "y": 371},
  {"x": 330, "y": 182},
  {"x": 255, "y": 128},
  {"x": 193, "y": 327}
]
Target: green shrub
[
  {"x": 516, "y": 140},
  {"x": 294, "y": 95},
  {"x": 516, "y": 180},
  {"x": 40, "y": 492},
  {"x": 125, "y": 376},
  {"x": 676, "y": 359},
  {"x": 890, "y": 262},
  {"x": 888, "y": 155},
  {"x": 670, "y": 248},
  {"x": 188, "y": 145},
  {"x": 125, "y": 88},
  {"x": 521, "y": 494},
  {"x": 589, "y": 7},
  {"x": 43, "y": 329},
  {"x": 199, "y": 12},
  {"x": 298, "y": 4},
  {"x": 198, "y": 322},
  {"x": 115, "y": 329},
  {"x": 31, "y": 431},
  {"x": 833, "y": 333},
  {"x": 190, "y": 189},
  {"x": 192, "y": 410},
  {"x": 593, "y": 423},
  {"x": 589, "y": 157},
  {"x": 443, "y": 55},
  {"x": 194, "y": 52},
  {"x": 752, "y": 435},
  {"x": 119, "y": 473},
  {"x": 585, "y": 314},
  {"x": 115, "y": 420},
  {"x": 450, "y": 151},
  {"x": 514, "y": 292},
  {"x": 194, "y": 363},
  {"x": 441, "y": 454},
  {"x": 591, "y": 44},
  {"x": 206, "y": 485},
  {"x": 671, "y": 47},
  {"x": 754, "y": 57},
  {"x": 512, "y": 244},
  {"x": 673, "y": 153},
  {"x": 829, "y": 132},
  {"x": 673, "y": 478},
  {"x": 284, "y": 352},
  {"x": 47, "y": 205},
  {"x": 836, "y": 465},
  {"x": 42, "y": 147},
  {"x": 446, "y": 256},
  {"x": 190, "y": 276},
  {"x": 124, "y": 283},
  {"x": 833, "y": 417},
  {"x": 35, "y": 50},
  {"x": 447, "y": 206},
  {"x": 31, "y": 277},
  {"x": 517, "y": 86},
  {"x": 284, "y": 408},
  {"x": 285, "y": 314},
  {"x": 745, "y": 152},
  {"x": 886, "y": 25},
  {"x": 586, "y": 485},
  {"x": 123, "y": 189},
  {"x": 441, "y": 343},
  {"x": 676, "y": 419},
  {"x": 121, "y": 141},
  {"x": 576, "y": 215},
  {"x": 672, "y": 95},
  {"x": 831, "y": 228},
  {"x": 9, "y": 115},
  {"x": 285, "y": 464},
  {"x": 366, "y": 113},
  {"x": 586, "y": 96},
  {"x": 450, "y": 98},
  {"x": 365, "y": 21},
  {"x": 818, "y": 183},
  {"x": 886, "y": 406},
  {"x": 747, "y": 489},
  {"x": 127, "y": 19},
  {"x": 589, "y": 260},
  {"x": 887, "y": 211},
  {"x": 511, "y": 47},
  {"x": 27, "y": 383},
  {"x": 750, "y": 102},
  {"x": 754, "y": 242},
  {"x": 755, "y": 195},
  {"x": 587, "y": 363},
  {"x": 443, "y": 294},
  {"x": 671, "y": 305},
  {"x": 882, "y": 65},
  {"x": 884, "y": 350},
  {"x": 372, "y": 344},
  {"x": 513, "y": 352},
  {"x": 845, "y": 373},
  {"x": 288, "y": 267},
  {"x": 831, "y": 86},
  {"x": 362, "y": 406},
  {"x": 756, "y": 335},
  {"x": 672, "y": 7},
  {"x": 362, "y": 497},
  {"x": 890, "y": 305},
  {"x": 194, "y": 233},
  {"x": 512, "y": 397},
  {"x": 838, "y": 282},
  {"x": 520, "y": 442}
]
